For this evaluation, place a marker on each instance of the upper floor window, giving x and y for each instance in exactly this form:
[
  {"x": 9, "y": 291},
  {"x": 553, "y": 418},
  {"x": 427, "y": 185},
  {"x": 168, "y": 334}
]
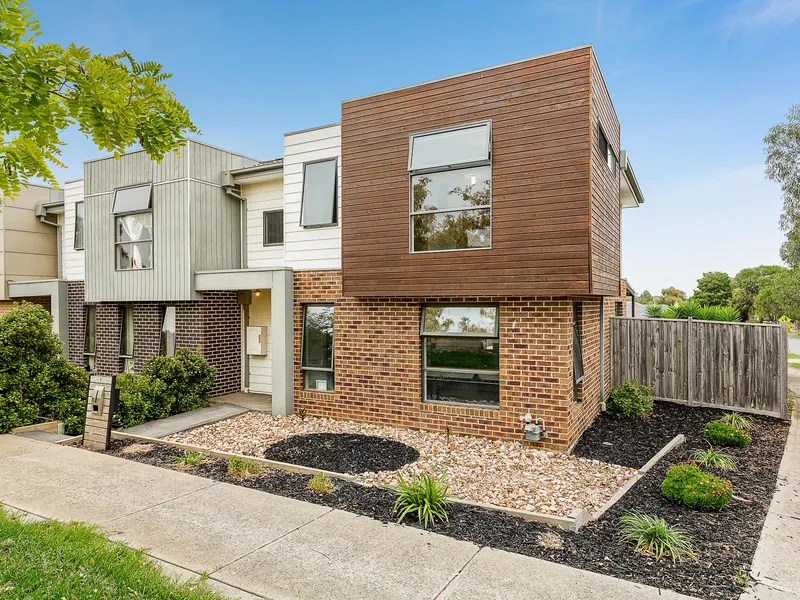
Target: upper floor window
[
  {"x": 451, "y": 188},
  {"x": 319, "y": 193},
  {"x": 606, "y": 150},
  {"x": 133, "y": 224},
  {"x": 273, "y": 228},
  {"x": 78, "y": 241}
]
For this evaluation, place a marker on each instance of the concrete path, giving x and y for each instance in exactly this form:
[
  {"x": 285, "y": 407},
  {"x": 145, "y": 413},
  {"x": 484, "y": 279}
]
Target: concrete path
[
  {"x": 254, "y": 544},
  {"x": 195, "y": 418},
  {"x": 775, "y": 562}
]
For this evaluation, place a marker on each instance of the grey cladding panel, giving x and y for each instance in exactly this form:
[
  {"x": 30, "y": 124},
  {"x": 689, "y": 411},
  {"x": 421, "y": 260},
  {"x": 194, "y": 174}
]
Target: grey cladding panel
[
  {"x": 216, "y": 228},
  {"x": 107, "y": 174},
  {"x": 208, "y": 162}
]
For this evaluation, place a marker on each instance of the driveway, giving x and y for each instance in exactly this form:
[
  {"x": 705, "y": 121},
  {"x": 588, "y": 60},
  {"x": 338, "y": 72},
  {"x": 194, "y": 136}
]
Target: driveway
[{"x": 253, "y": 544}]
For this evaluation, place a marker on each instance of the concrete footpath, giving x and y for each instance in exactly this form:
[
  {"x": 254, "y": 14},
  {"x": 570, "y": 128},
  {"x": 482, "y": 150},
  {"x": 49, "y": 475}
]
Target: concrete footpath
[
  {"x": 774, "y": 568},
  {"x": 253, "y": 544}
]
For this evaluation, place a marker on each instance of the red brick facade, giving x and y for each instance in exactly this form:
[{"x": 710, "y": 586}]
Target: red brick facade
[
  {"x": 9, "y": 305},
  {"x": 378, "y": 362},
  {"x": 211, "y": 325}
]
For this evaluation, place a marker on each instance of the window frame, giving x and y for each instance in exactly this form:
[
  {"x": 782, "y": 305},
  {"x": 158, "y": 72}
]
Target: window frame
[
  {"x": 90, "y": 358},
  {"x": 129, "y": 187},
  {"x": 439, "y": 334},
  {"x": 304, "y": 369},
  {"x": 127, "y": 359},
  {"x": 444, "y": 168},
  {"x": 163, "y": 350},
  {"x": 266, "y": 242},
  {"x": 75, "y": 245},
  {"x": 335, "y": 222},
  {"x": 151, "y": 241},
  {"x": 577, "y": 337},
  {"x": 601, "y": 135}
]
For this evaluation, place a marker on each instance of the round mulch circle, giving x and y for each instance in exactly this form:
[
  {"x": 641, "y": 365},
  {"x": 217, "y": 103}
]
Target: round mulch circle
[{"x": 343, "y": 452}]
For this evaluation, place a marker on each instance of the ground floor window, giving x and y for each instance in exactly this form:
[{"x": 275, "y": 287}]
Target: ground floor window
[
  {"x": 317, "y": 347},
  {"x": 168, "y": 332},
  {"x": 577, "y": 346},
  {"x": 90, "y": 338},
  {"x": 461, "y": 354},
  {"x": 126, "y": 339}
]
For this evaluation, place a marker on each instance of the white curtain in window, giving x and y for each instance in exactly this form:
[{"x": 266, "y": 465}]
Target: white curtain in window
[{"x": 133, "y": 229}]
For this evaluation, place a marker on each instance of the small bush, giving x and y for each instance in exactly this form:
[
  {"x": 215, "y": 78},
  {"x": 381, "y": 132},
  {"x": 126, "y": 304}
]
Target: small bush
[
  {"x": 654, "y": 537},
  {"x": 655, "y": 311},
  {"x": 424, "y": 498},
  {"x": 738, "y": 420},
  {"x": 688, "y": 485},
  {"x": 630, "y": 400},
  {"x": 189, "y": 459},
  {"x": 713, "y": 458},
  {"x": 321, "y": 484},
  {"x": 242, "y": 468},
  {"x": 167, "y": 385},
  {"x": 722, "y": 434}
]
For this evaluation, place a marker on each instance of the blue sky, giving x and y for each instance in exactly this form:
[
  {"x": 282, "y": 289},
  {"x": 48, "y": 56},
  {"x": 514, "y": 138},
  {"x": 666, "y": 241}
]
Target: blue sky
[{"x": 696, "y": 85}]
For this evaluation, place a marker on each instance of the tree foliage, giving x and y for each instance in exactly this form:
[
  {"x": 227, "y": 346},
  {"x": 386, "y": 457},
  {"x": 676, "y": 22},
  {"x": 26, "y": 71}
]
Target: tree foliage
[
  {"x": 747, "y": 284},
  {"x": 45, "y": 88},
  {"x": 713, "y": 289},
  {"x": 645, "y": 298},
  {"x": 671, "y": 295},
  {"x": 36, "y": 380},
  {"x": 779, "y": 297},
  {"x": 782, "y": 144}
]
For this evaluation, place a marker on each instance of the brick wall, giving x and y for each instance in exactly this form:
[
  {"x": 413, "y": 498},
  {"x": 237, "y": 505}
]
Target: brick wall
[
  {"x": 211, "y": 325},
  {"x": 378, "y": 361},
  {"x": 7, "y": 306}
]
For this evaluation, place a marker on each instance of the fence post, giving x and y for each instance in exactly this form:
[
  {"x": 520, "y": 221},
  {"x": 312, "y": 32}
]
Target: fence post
[{"x": 690, "y": 362}]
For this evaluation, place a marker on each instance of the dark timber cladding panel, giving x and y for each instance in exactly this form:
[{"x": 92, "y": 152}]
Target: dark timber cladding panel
[
  {"x": 540, "y": 116},
  {"x": 606, "y": 213}
]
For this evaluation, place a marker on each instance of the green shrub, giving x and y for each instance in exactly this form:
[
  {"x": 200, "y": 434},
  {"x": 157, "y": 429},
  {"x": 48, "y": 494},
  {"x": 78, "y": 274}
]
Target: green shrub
[
  {"x": 424, "y": 498},
  {"x": 722, "y": 434},
  {"x": 242, "y": 468},
  {"x": 36, "y": 380},
  {"x": 629, "y": 400},
  {"x": 168, "y": 385},
  {"x": 190, "y": 459},
  {"x": 687, "y": 484},
  {"x": 655, "y": 311},
  {"x": 713, "y": 458},
  {"x": 654, "y": 537},
  {"x": 738, "y": 420},
  {"x": 321, "y": 484}
]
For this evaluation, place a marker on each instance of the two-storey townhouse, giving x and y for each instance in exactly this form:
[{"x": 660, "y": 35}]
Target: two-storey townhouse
[{"x": 446, "y": 258}]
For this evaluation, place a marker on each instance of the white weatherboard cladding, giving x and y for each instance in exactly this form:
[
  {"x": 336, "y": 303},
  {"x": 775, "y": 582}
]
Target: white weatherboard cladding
[
  {"x": 72, "y": 261},
  {"x": 315, "y": 247},
  {"x": 261, "y": 366},
  {"x": 261, "y": 197}
]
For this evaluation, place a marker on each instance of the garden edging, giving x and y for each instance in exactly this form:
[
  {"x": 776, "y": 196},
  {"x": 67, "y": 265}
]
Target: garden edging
[
  {"x": 572, "y": 523},
  {"x": 676, "y": 441}
]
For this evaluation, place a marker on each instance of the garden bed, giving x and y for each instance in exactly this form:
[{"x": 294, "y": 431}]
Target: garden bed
[
  {"x": 505, "y": 474},
  {"x": 725, "y": 541}
]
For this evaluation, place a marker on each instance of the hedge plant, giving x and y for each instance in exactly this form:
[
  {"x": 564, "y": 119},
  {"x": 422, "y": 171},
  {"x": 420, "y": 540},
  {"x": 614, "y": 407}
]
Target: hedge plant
[
  {"x": 687, "y": 484},
  {"x": 167, "y": 385},
  {"x": 629, "y": 400},
  {"x": 37, "y": 382},
  {"x": 723, "y": 434}
]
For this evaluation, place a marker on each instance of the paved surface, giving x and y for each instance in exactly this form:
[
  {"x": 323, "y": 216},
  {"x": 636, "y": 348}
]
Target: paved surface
[
  {"x": 195, "y": 418},
  {"x": 249, "y": 400},
  {"x": 44, "y": 436},
  {"x": 254, "y": 544},
  {"x": 775, "y": 562}
]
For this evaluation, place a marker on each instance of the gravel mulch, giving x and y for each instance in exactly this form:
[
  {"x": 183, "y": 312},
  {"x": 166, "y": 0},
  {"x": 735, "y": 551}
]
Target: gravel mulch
[
  {"x": 343, "y": 452},
  {"x": 478, "y": 469},
  {"x": 725, "y": 541}
]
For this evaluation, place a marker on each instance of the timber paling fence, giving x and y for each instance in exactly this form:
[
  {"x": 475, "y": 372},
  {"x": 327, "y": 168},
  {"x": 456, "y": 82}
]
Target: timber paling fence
[{"x": 736, "y": 366}]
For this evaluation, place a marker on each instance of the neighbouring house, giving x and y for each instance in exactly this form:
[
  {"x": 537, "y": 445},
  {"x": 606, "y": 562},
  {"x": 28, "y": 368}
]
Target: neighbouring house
[
  {"x": 29, "y": 250},
  {"x": 445, "y": 258}
]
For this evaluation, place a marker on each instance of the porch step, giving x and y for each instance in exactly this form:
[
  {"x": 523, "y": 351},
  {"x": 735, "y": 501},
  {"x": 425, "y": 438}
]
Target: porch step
[{"x": 188, "y": 420}]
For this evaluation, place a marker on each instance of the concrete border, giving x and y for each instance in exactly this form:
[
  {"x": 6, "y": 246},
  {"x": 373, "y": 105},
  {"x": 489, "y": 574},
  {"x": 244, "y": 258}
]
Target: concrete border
[
  {"x": 574, "y": 522},
  {"x": 673, "y": 443},
  {"x": 48, "y": 426}
]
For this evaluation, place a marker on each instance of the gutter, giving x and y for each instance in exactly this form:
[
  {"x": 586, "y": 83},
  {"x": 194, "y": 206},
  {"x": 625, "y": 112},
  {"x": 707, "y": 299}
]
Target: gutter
[{"x": 41, "y": 212}]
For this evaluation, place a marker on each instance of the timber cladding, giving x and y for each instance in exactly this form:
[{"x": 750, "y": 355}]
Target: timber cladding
[{"x": 541, "y": 114}]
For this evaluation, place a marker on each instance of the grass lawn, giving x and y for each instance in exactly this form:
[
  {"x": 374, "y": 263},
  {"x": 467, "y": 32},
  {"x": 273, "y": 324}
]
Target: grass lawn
[
  {"x": 44, "y": 560},
  {"x": 794, "y": 360}
]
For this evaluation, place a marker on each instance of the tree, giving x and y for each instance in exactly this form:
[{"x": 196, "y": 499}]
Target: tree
[
  {"x": 783, "y": 166},
  {"x": 779, "y": 297},
  {"x": 713, "y": 289},
  {"x": 46, "y": 88},
  {"x": 645, "y": 298},
  {"x": 747, "y": 284},
  {"x": 671, "y": 295}
]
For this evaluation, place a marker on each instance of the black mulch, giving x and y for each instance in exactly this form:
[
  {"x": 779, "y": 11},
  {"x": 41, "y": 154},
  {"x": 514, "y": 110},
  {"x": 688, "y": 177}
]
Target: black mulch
[
  {"x": 343, "y": 452},
  {"x": 726, "y": 541}
]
